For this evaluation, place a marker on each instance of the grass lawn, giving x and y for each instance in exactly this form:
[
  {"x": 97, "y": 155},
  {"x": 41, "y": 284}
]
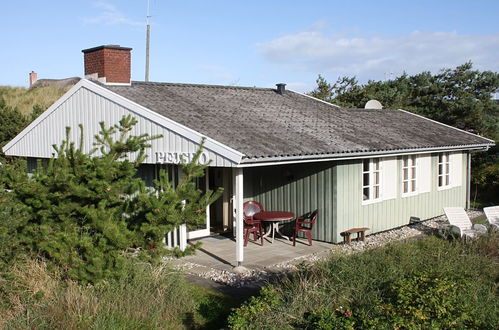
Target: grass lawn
[
  {"x": 151, "y": 297},
  {"x": 427, "y": 283}
]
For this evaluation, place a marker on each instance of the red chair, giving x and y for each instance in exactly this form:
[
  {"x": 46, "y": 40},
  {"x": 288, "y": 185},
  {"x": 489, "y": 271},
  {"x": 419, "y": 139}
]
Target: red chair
[
  {"x": 251, "y": 225},
  {"x": 305, "y": 226}
]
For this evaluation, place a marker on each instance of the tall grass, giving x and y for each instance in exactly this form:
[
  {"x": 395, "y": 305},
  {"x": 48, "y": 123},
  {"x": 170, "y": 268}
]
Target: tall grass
[
  {"x": 25, "y": 99},
  {"x": 358, "y": 289},
  {"x": 151, "y": 297}
]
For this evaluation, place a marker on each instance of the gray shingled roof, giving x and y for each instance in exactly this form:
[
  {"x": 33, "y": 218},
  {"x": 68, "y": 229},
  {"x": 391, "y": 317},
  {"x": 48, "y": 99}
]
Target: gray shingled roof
[{"x": 259, "y": 122}]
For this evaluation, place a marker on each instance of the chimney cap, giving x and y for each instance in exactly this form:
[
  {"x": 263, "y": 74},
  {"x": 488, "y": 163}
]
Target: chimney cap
[
  {"x": 281, "y": 88},
  {"x": 93, "y": 49}
]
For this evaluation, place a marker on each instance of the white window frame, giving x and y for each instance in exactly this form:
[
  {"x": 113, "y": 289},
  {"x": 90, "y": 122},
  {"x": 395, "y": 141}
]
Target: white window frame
[
  {"x": 372, "y": 185},
  {"x": 412, "y": 175},
  {"x": 444, "y": 171}
]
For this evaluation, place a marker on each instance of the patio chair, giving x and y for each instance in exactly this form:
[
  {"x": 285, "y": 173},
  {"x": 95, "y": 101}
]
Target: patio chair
[
  {"x": 492, "y": 214},
  {"x": 301, "y": 225},
  {"x": 461, "y": 223},
  {"x": 251, "y": 225}
]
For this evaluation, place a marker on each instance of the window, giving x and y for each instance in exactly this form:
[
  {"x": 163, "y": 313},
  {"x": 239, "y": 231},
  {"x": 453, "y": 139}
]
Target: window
[
  {"x": 409, "y": 174},
  {"x": 370, "y": 179},
  {"x": 443, "y": 170}
]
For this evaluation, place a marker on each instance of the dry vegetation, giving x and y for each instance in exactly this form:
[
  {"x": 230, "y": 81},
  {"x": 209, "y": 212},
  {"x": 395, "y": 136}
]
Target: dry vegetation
[{"x": 24, "y": 99}]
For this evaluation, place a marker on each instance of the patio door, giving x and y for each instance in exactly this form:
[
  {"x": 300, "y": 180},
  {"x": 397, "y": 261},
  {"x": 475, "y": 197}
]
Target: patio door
[
  {"x": 204, "y": 229},
  {"x": 221, "y": 209}
]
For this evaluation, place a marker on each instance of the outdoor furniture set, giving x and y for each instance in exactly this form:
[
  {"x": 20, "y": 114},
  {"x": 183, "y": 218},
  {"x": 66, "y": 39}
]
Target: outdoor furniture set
[{"x": 255, "y": 217}]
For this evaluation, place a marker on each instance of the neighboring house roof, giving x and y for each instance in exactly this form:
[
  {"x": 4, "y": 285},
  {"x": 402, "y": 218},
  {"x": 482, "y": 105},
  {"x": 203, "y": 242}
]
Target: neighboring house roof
[
  {"x": 60, "y": 83},
  {"x": 263, "y": 124}
]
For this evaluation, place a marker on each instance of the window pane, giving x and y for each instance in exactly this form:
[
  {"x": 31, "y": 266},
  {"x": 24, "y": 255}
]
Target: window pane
[
  {"x": 440, "y": 158},
  {"x": 365, "y": 194},
  {"x": 366, "y": 165},
  {"x": 413, "y": 176},
  {"x": 440, "y": 168},
  {"x": 440, "y": 181},
  {"x": 413, "y": 185},
  {"x": 406, "y": 186},
  {"x": 376, "y": 177},
  {"x": 405, "y": 161},
  {"x": 376, "y": 164},
  {"x": 447, "y": 179},
  {"x": 447, "y": 168},
  {"x": 406, "y": 174},
  {"x": 366, "y": 179},
  {"x": 376, "y": 191}
]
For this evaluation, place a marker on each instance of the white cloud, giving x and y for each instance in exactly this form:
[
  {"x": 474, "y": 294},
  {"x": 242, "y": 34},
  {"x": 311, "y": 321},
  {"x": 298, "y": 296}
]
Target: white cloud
[
  {"x": 374, "y": 57},
  {"x": 110, "y": 15}
]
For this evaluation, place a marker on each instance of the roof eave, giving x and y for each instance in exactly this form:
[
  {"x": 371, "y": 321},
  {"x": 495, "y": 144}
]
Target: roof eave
[{"x": 278, "y": 160}]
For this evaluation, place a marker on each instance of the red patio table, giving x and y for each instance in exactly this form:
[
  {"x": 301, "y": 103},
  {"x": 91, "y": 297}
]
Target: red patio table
[{"x": 274, "y": 217}]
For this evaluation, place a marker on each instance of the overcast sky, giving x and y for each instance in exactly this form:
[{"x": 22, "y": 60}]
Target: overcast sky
[{"x": 251, "y": 43}]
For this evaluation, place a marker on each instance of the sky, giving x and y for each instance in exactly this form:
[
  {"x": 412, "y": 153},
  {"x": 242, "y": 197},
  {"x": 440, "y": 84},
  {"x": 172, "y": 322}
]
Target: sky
[{"x": 250, "y": 43}]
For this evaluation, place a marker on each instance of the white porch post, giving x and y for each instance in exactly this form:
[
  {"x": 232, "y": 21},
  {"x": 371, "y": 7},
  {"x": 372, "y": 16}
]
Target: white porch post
[{"x": 238, "y": 214}]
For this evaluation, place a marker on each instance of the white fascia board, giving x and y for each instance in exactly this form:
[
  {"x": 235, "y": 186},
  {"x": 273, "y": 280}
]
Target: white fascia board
[
  {"x": 271, "y": 161},
  {"x": 42, "y": 117},
  {"x": 458, "y": 129},
  {"x": 215, "y": 146}
]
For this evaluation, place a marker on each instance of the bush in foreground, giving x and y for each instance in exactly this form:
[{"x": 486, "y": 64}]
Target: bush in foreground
[
  {"x": 86, "y": 212},
  {"x": 148, "y": 297},
  {"x": 430, "y": 283}
]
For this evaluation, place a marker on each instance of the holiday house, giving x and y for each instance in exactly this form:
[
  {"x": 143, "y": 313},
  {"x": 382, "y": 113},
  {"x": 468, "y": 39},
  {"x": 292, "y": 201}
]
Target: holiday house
[{"x": 372, "y": 167}]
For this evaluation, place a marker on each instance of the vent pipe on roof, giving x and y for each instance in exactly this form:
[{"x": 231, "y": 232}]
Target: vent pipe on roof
[{"x": 281, "y": 88}]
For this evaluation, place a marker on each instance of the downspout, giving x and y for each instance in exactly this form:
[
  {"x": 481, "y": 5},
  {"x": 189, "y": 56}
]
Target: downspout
[{"x": 468, "y": 181}]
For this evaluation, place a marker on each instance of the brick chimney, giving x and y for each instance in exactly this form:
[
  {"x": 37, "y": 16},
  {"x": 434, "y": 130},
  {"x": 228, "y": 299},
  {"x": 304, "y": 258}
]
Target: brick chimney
[
  {"x": 33, "y": 77},
  {"x": 109, "y": 64}
]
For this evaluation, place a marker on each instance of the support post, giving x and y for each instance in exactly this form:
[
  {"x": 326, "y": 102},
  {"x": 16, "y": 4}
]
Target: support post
[
  {"x": 238, "y": 214},
  {"x": 182, "y": 237}
]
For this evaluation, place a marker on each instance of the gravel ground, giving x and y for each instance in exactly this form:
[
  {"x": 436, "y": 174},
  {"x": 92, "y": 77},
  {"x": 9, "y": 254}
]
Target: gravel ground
[{"x": 255, "y": 278}]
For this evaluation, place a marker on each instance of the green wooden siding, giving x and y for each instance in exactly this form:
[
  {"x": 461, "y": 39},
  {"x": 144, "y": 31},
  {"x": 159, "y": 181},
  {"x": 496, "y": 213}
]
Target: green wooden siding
[
  {"x": 298, "y": 188},
  {"x": 335, "y": 188},
  {"x": 396, "y": 212}
]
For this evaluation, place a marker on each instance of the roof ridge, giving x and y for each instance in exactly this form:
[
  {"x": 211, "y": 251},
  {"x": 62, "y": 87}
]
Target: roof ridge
[{"x": 200, "y": 85}]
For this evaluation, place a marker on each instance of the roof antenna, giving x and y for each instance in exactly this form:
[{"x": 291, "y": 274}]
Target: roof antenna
[{"x": 148, "y": 39}]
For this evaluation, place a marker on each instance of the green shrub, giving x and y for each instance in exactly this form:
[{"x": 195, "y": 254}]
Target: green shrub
[
  {"x": 11, "y": 122},
  {"x": 429, "y": 283},
  {"x": 426, "y": 301}
]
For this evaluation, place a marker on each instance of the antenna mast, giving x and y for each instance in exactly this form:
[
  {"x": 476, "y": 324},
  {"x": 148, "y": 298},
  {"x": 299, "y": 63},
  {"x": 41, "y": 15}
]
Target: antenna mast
[{"x": 148, "y": 38}]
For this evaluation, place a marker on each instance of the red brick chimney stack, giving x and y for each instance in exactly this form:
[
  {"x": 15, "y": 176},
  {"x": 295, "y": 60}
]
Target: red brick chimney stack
[
  {"x": 109, "y": 64},
  {"x": 33, "y": 77}
]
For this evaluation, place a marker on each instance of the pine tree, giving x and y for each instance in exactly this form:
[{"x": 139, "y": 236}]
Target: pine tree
[{"x": 85, "y": 210}]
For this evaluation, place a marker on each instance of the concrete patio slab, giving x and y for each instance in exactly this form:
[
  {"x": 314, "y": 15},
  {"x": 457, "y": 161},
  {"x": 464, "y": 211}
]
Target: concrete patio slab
[{"x": 219, "y": 253}]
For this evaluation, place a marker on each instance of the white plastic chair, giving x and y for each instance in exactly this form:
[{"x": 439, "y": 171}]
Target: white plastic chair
[
  {"x": 461, "y": 223},
  {"x": 492, "y": 214}
]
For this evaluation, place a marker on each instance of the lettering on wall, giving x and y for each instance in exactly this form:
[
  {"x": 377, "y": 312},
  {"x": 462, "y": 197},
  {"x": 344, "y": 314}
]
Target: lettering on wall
[{"x": 173, "y": 157}]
